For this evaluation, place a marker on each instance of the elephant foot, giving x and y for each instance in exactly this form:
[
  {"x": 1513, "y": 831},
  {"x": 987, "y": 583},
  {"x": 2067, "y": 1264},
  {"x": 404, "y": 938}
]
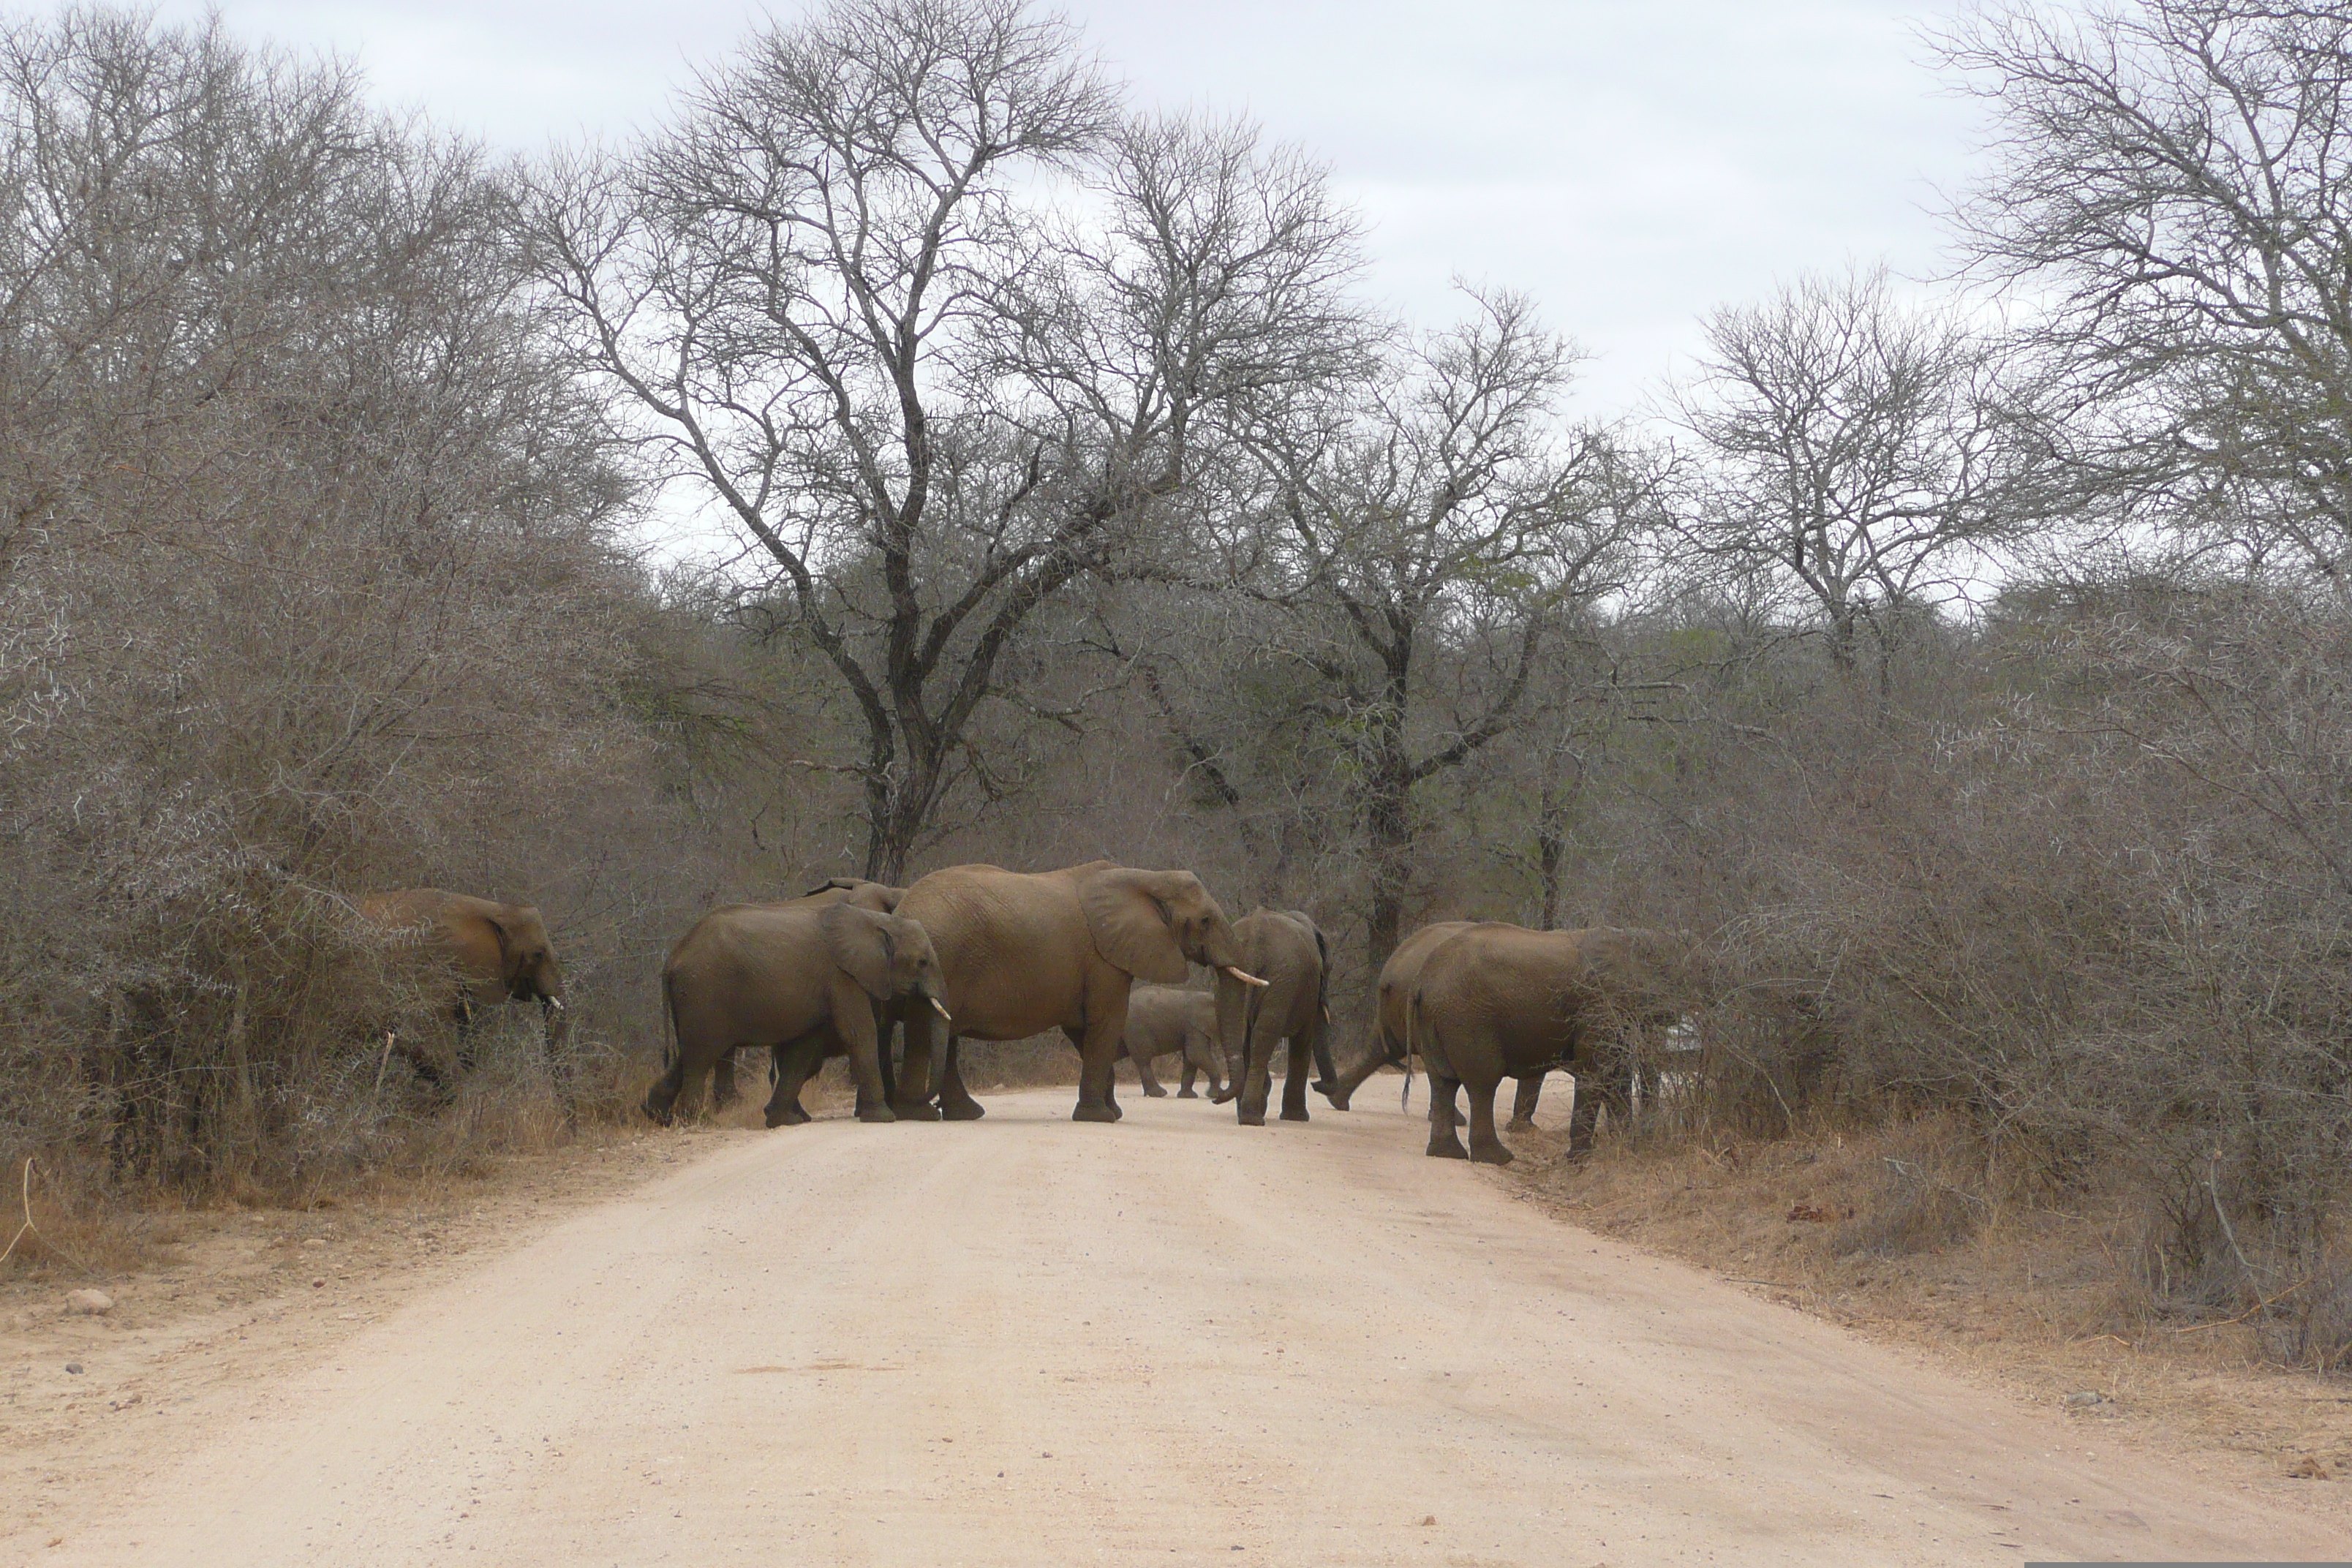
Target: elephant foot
[
  {"x": 918, "y": 1112},
  {"x": 1520, "y": 1124},
  {"x": 1187, "y": 1094},
  {"x": 1151, "y": 1093},
  {"x": 1447, "y": 1148},
  {"x": 1250, "y": 1118},
  {"x": 1489, "y": 1154},
  {"x": 876, "y": 1113},
  {"x": 1086, "y": 1112},
  {"x": 791, "y": 1116},
  {"x": 963, "y": 1111},
  {"x": 1290, "y": 1115}
]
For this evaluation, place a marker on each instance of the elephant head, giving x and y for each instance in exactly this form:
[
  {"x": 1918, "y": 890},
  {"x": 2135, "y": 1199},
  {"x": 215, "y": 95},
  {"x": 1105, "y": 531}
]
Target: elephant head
[
  {"x": 890, "y": 956},
  {"x": 527, "y": 963},
  {"x": 1153, "y": 924}
]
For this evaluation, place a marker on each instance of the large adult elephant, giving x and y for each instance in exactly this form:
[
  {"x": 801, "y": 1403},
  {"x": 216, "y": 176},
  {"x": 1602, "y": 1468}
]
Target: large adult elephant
[
  {"x": 1496, "y": 1000},
  {"x": 882, "y": 898},
  {"x": 1386, "y": 1044},
  {"x": 771, "y": 974},
  {"x": 1651, "y": 979},
  {"x": 1025, "y": 952},
  {"x": 1166, "y": 1020},
  {"x": 488, "y": 954},
  {"x": 1287, "y": 952}
]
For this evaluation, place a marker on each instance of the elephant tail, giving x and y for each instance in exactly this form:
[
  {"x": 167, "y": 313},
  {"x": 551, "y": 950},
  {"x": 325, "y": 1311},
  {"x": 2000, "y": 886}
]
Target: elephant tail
[
  {"x": 1412, "y": 1013},
  {"x": 669, "y": 1020}
]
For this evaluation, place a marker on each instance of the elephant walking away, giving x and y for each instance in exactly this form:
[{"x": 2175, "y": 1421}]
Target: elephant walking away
[
  {"x": 492, "y": 952},
  {"x": 1025, "y": 952},
  {"x": 880, "y": 897},
  {"x": 1288, "y": 954},
  {"x": 1386, "y": 1044},
  {"x": 1496, "y": 1000},
  {"x": 773, "y": 975},
  {"x": 1163, "y": 1020},
  {"x": 1650, "y": 980}
]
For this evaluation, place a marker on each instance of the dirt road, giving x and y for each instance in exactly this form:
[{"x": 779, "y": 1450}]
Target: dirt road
[{"x": 1026, "y": 1342}]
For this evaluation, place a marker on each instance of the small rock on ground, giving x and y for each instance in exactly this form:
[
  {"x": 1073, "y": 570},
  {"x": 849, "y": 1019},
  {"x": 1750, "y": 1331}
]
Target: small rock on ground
[{"x": 90, "y": 1303}]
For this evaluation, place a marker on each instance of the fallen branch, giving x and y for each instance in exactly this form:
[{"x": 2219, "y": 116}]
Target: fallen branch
[
  {"x": 2257, "y": 1307},
  {"x": 27, "y": 1228}
]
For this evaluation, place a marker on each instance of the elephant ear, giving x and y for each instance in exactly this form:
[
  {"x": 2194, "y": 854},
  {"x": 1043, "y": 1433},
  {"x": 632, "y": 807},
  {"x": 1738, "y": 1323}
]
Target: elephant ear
[
  {"x": 1127, "y": 914},
  {"x": 860, "y": 943}
]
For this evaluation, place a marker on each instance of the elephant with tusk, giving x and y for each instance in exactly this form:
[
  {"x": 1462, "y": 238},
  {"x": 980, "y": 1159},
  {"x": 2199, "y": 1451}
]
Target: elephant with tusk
[
  {"x": 492, "y": 952},
  {"x": 1025, "y": 952},
  {"x": 1287, "y": 1004},
  {"x": 779, "y": 974}
]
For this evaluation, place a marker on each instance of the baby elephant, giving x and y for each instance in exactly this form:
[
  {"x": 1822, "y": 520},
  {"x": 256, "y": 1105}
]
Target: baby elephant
[
  {"x": 767, "y": 974},
  {"x": 1164, "y": 1019}
]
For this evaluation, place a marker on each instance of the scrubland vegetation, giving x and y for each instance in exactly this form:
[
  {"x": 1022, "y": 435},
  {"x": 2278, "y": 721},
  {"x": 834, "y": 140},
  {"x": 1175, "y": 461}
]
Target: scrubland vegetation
[{"x": 1969, "y": 668}]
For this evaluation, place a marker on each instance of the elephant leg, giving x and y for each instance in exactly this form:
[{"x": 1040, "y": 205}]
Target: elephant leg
[
  {"x": 884, "y": 1028},
  {"x": 858, "y": 1032},
  {"x": 1485, "y": 1147},
  {"x": 1523, "y": 1103},
  {"x": 1581, "y": 1118},
  {"x": 1191, "y": 1070},
  {"x": 912, "y": 1102},
  {"x": 1144, "y": 1077},
  {"x": 1097, "y": 1055},
  {"x": 723, "y": 1092},
  {"x": 1294, "y": 1078},
  {"x": 465, "y": 1037},
  {"x": 792, "y": 1064},
  {"x": 661, "y": 1099},
  {"x": 956, "y": 1103},
  {"x": 1443, "y": 1119},
  {"x": 1257, "y": 1070}
]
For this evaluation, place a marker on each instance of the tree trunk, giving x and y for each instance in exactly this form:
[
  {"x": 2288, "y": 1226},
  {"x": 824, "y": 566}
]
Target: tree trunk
[{"x": 1388, "y": 829}]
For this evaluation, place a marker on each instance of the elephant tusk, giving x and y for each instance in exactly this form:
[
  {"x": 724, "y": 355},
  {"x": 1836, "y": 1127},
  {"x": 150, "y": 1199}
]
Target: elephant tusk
[
  {"x": 556, "y": 1003},
  {"x": 941, "y": 1009},
  {"x": 1245, "y": 978}
]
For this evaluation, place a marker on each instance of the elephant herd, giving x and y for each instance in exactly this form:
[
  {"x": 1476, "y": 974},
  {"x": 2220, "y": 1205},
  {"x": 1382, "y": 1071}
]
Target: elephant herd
[{"x": 1099, "y": 951}]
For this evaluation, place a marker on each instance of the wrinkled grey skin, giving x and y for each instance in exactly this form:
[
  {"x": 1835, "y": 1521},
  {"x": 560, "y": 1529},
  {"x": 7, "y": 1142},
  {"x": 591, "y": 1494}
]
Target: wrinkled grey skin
[
  {"x": 1163, "y": 1020},
  {"x": 770, "y": 976},
  {"x": 1285, "y": 949}
]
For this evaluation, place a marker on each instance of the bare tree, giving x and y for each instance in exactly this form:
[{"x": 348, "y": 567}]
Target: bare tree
[
  {"x": 840, "y": 291},
  {"x": 2179, "y": 173},
  {"x": 1449, "y": 507},
  {"x": 1861, "y": 454}
]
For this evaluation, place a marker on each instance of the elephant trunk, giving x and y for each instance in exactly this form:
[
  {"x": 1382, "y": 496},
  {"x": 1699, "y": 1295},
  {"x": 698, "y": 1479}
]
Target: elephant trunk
[{"x": 1349, "y": 1079}]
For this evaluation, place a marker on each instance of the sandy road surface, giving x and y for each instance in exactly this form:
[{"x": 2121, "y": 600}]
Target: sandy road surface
[{"x": 1173, "y": 1340}]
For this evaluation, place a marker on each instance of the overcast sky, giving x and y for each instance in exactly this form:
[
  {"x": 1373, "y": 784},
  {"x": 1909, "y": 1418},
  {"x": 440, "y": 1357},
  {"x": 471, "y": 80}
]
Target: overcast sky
[{"x": 1631, "y": 163}]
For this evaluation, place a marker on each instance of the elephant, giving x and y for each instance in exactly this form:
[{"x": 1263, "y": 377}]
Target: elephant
[
  {"x": 880, "y": 897},
  {"x": 1651, "y": 979},
  {"x": 1495, "y": 1000},
  {"x": 1287, "y": 952},
  {"x": 492, "y": 952},
  {"x": 1386, "y": 1044},
  {"x": 1025, "y": 952},
  {"x": 771, "y": 974},
  {"x": 1162, "y": 1020}
]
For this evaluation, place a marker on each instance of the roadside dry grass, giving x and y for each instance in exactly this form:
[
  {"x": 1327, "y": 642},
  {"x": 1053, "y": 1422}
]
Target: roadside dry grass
[{"x": 2034, "y": 1300}]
